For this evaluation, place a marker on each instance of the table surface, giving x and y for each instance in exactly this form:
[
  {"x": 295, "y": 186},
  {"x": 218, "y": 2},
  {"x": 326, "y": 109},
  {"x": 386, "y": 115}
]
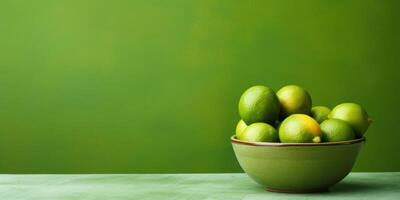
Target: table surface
[{"x": 184, "y": 186}]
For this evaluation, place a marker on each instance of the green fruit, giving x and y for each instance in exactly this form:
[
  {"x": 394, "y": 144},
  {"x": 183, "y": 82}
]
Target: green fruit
[
  {"x": 259, "y": 104},
  {"x": 300, "y": 128},
  {"x": 260, "y": 132},
  {"x": 335, "y": 130},
  {"x": 354, "y": 115},
  {"x": 293, "y": 100},
  {"x": 239, "y": 129},
  {"x": 320, "y": 113}
]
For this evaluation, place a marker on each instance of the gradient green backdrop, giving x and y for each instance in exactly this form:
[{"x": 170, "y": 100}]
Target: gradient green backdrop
[{"x": 153, "y": 86}]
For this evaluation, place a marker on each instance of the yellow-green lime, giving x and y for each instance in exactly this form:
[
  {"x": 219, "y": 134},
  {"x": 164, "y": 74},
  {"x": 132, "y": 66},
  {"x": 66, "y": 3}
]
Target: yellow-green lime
[
  {"x": 293, "y": 100},
  {"x": 299, "y": 128},
  {"x": 260, "y": 132},
  {"x": 354, "y": 115},
  {"x": 335, "y": 130},
  {"x": 239, "y": 129},
  {"x": 259, "y": 104},
  {"x": 320, "y": 113}
]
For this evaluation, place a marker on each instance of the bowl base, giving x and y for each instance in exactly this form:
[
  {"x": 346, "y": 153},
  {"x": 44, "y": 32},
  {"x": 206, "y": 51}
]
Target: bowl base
[{"x": 317, "y": 190}]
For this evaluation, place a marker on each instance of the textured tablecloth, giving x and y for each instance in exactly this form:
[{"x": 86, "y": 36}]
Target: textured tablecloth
[{"x": 184, "y": 186}]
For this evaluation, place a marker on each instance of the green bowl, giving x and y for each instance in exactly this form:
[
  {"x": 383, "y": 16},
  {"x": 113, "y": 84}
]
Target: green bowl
[{"x": 297, "y": 167}]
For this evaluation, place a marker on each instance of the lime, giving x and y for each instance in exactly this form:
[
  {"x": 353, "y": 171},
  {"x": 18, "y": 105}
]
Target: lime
[
  {"x": 259, "y": 104},
  {"x": 335, "y": 130},
  {"x": 239, "y": 129},
  {"x": 320, "y": 113},
  {"x": 300, "y": 128},
  {"x": 260, "y": 132},
  {"x": 354, "y": 115},
  {"x": 294, "y": 100}
]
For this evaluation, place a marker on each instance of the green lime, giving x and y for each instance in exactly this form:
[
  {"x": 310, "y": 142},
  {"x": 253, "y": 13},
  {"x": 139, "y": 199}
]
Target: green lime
[
  {"x": 259, "y": 104},
  {"x": 354, "y": 115},
  {"x": 300, "y": 128},
  {"x": 239, "y": 129},
  {"x": 260, "y": 132},
  {"x": 335, "y": 130},
  {"x": 320, "y": 113},
  {"x": 294, "y": 100}
]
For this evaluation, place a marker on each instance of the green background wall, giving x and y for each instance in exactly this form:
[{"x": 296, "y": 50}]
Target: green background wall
[{"x": 153, "y": 86}]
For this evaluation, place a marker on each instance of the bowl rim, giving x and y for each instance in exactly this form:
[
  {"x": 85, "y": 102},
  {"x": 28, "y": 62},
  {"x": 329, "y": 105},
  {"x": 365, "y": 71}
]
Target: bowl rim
[{"x": 278, "y": 144}]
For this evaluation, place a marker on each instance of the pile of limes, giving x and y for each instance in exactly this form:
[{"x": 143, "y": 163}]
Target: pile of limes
[{"x": 288, "y": 117}]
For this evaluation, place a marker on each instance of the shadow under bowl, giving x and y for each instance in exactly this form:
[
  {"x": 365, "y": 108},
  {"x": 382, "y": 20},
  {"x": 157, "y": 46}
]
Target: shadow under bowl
[{"x": 297, "y": 167}]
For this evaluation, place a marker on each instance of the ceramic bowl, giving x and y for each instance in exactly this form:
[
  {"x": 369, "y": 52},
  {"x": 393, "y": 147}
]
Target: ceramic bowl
[{"x": 297, "y": 167}]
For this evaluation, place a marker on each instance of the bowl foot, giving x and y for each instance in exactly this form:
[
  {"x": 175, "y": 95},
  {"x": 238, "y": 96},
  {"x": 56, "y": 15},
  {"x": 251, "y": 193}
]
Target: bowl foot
[{"x": 317, "y": 190}]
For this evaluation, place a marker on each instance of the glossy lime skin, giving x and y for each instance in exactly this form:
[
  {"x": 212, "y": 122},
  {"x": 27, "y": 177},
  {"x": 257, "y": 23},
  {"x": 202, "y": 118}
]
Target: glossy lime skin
[
  {"x": 259, "y": 104},
  {"x": 336, "y": 130},
  {"x": 310, "y": 168},
  {"x": 240, "y": 128},
  {"x": 299, "y": 128},
  {"x": 320, "y": 113},
  {"x": 260, "y": 132},
  {"x": 354, "y": 115},
  {"x": 294, "y": 100}
]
